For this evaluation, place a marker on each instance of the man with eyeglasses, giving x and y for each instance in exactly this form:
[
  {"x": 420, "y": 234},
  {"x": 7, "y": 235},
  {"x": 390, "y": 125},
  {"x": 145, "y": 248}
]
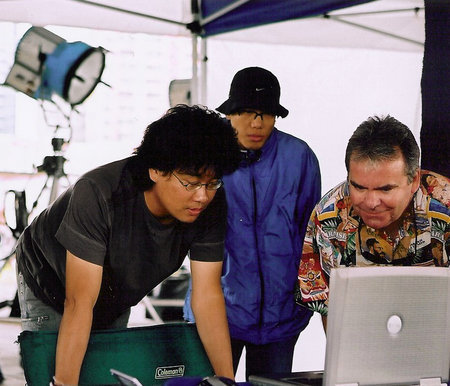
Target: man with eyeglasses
[
  {"x": 269, "y": 201},
  {"x": 396, "y": 220},
  {"x": 123, "y": 228}
]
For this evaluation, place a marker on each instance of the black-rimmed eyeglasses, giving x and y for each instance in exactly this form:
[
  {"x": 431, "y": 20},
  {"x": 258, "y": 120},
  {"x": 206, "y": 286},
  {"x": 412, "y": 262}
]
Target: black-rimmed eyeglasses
[
  {"x": 249, "y": 114},
  {"x": 191, "y": 187}
]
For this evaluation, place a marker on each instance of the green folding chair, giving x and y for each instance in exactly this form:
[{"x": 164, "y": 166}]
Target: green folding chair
[{"x": 151, "y": 354}]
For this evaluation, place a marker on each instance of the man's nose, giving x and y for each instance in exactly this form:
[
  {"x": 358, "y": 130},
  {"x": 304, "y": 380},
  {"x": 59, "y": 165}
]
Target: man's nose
[
  {"x": 257, "y": 122},
  {"x": 372, "y": 199},
  {"x": 201, "y": 195}
]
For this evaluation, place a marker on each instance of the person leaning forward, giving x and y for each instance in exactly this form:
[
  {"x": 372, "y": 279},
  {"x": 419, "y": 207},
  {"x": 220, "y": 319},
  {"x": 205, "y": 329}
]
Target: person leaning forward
[
  {"x": 124, "y": 227},
  {"x": 381, "y": 215}
]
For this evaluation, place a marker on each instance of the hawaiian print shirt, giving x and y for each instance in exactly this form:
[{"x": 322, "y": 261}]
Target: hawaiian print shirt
[{"x": 336, "y": 237}]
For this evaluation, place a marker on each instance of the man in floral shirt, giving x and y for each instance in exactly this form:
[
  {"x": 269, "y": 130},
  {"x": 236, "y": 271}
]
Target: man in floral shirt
[{"x": 387, "y": 212}]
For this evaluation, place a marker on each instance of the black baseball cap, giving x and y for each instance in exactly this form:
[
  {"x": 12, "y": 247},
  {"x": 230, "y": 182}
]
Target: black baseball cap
[{"x": 257, "y": 88}]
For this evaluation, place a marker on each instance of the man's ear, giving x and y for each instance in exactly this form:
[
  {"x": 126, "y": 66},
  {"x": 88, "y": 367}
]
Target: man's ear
[
  {"x": 415, "y": 182},
  {"x": 154, "y": 174}
]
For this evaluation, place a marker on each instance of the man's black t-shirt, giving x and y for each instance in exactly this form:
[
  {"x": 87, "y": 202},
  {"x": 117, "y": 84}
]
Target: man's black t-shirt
[{"x": 104, "y": 219}]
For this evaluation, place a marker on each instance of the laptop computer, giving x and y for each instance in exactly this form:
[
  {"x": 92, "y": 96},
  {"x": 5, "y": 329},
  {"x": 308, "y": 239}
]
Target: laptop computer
[
  {"x": 301, "y": 378},
  {"x": 386, "y": 326}
]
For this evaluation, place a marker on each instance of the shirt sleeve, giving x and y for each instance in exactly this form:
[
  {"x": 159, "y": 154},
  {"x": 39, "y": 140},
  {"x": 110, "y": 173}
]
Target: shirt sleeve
[
  {"x": 312, "y": 282},
  {"x": 310, "y": 189},
  {"x": 208, "y": 244},
  {"x": 85, "y": 227}
]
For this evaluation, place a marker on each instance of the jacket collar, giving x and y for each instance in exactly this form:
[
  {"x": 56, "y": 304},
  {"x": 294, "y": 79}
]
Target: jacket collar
[{"x": 251, "y": 156}]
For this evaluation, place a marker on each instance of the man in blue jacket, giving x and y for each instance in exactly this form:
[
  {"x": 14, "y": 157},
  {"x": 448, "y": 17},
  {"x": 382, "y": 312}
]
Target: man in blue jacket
[{"x": 270, "y": 198}]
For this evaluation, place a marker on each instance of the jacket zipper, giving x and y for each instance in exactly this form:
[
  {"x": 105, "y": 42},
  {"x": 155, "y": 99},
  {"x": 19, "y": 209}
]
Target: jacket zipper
[{"x": 255, "y": 217}]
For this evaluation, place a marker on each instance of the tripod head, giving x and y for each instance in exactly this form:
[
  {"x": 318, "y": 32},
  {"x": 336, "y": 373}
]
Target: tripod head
[
  {"x": 57, "y": 144},
  {"x": 54, "y": 165}
]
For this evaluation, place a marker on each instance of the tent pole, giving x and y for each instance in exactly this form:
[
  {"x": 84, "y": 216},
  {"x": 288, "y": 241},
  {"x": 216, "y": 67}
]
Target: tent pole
[
  {"x": 195, "y": 33},
  {"x": 204, "y": 73},
  {"x": 194, "y": 80}
]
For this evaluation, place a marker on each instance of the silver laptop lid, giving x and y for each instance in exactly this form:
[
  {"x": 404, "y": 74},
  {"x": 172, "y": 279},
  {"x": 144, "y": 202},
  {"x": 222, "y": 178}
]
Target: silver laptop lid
[{"x": 388, "y": 325}]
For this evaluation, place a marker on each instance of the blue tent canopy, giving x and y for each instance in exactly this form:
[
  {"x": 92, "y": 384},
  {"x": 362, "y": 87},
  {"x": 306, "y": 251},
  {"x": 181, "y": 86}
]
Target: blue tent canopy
[{"x": 232, "y": 15}]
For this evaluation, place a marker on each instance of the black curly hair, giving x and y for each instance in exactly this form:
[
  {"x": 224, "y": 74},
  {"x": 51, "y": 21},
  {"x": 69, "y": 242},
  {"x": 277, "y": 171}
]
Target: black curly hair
[{"x": 189, "y": 139}]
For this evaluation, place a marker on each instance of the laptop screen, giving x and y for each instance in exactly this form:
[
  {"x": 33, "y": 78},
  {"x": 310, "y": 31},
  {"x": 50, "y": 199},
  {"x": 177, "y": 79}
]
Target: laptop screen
[{"x": 388, "y": 325}]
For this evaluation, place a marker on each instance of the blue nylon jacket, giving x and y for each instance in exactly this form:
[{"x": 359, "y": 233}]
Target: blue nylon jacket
[{"x": 269, "y": 203}]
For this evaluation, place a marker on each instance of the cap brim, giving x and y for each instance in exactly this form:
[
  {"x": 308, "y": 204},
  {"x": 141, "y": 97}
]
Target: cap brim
[
  {"x": 224, "y": 108},
  {"x": 282, "y": 112},
  {"x": 230, "y": 107}
]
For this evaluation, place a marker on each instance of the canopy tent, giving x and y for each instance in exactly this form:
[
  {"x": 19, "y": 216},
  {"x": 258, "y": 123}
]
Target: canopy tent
[
  {"x": 395, "y": 18},
  {"x": 328, "y": 22},
  {"x": 379, "y": 24},
  {"x": 399, "y": 23},
  {"x": 207, "y": 18}
]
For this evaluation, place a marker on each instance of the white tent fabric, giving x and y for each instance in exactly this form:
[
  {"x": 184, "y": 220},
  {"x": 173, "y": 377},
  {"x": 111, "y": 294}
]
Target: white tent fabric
[
  {"x": 92, "y": 15},
  {"x": 170, "y": 17}
]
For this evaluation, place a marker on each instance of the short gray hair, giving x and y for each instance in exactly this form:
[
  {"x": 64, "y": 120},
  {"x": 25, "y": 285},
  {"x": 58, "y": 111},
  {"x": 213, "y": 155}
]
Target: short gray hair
[{"x": 381, "y": 138}]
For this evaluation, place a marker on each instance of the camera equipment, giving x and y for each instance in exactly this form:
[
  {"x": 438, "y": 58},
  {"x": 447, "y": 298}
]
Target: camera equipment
[{"x": 53, "y": 166}]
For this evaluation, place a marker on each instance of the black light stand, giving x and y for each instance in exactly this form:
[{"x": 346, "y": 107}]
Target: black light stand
[
  {"x": 45, "y": 66},
  {"x": 53, "y": 166},
  {"x": 21, "y": 222}
]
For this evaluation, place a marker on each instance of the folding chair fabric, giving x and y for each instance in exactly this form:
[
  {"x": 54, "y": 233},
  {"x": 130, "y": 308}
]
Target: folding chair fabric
[{"x": 152, "y": 354}]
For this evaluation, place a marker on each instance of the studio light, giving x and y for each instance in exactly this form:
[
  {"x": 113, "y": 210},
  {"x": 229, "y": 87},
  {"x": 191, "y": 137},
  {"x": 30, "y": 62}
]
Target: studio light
[
  {"x": 45, "y": 64},
  {"x": 180, "y": 92},
  {"x": 45, "y": 67}
]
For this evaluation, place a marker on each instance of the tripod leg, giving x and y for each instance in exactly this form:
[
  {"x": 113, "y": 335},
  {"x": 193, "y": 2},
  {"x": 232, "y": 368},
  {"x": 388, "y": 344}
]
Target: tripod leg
[
  {"x": 55, "y": 189},
  {"x": 40, "y": 194},
  {"x": 15, "y": 307}
]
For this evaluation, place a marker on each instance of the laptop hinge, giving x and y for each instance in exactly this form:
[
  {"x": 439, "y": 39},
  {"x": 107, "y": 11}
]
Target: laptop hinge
[{"x": 431, "y": 382}]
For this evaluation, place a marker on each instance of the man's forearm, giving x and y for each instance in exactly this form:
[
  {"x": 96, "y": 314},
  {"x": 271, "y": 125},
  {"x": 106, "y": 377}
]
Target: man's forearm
[
  {"x": 212, "y": 327},
  {"x": 73, "y": 339}
]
